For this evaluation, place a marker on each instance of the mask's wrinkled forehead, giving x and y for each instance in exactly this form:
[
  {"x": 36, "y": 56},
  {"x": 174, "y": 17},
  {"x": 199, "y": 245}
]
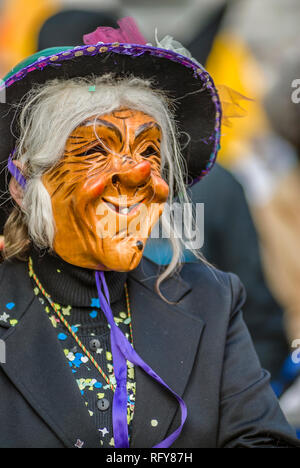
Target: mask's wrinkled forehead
[{"x": 119, "y": 131}]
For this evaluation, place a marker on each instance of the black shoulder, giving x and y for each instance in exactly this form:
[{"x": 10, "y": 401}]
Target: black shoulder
[
  {"x": 204, "y": 284},
  {"x": 214, "y": 283},
  {"x": 16, "y": 292}
]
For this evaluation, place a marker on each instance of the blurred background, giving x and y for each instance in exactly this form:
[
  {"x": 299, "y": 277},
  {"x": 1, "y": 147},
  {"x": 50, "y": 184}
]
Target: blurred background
[{"x": 252, "y": 198}]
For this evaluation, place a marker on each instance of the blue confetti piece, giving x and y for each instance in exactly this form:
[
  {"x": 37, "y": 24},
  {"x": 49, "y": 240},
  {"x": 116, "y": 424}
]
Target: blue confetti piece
[
  {"x": 98, "y": 385},
  {"x": 93, "y": 314},
  {"x": 74, "y": 329},
  {"x": 95, "y": 302},
  {"x": 10, "y": 305},
  {"x": 77, "y": 362},
  {"x": 62, "y": 337}
]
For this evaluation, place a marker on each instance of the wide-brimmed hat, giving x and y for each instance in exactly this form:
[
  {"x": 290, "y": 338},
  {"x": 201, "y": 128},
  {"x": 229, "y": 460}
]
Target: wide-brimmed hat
[{"x": 198, "y": 107}]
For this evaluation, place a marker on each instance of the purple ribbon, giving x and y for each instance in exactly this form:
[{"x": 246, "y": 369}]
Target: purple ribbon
[
  {"x": 15, "y": 172},
  {"x": 122, "y": 351}
]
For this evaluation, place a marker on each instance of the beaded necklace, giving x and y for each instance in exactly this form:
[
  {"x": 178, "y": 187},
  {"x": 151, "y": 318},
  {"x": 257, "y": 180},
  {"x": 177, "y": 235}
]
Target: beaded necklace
[{"x": 69, "y": 328}]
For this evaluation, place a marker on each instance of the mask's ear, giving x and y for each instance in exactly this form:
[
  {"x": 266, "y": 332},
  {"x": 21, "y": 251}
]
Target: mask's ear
[{"x": 15, "y": 188}]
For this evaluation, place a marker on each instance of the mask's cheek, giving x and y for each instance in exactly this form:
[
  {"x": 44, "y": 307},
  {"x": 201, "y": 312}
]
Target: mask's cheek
[
  {"x": 160, "y": 188},
  {"x": 74, "y": 203},
  {"x": 94, "y": 187}
]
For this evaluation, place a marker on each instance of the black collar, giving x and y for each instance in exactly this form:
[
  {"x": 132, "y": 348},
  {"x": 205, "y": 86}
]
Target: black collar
[{"x": 71, "y": 285}]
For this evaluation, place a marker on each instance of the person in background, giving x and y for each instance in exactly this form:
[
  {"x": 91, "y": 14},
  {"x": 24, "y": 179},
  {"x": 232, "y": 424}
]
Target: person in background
[
  {"x": 231, "y": 243},
  {"x": 68, "y": 26},
  {"x": 279, "y": 219}
]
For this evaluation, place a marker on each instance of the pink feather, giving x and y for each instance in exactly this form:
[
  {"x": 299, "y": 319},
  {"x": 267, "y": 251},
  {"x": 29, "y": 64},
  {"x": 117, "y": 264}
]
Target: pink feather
[{"x": 128, "y": 33}]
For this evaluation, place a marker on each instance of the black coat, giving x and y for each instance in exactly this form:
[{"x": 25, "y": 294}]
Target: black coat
[
  {"x": 231, "y": 243},
  {"x": 200, "y": 347}
]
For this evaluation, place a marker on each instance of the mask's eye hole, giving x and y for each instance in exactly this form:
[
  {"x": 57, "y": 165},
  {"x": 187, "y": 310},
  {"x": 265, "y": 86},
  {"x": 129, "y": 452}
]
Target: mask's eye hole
[
  {"x": 149, "y": 151},
  {"x": 97, "y": 149}
]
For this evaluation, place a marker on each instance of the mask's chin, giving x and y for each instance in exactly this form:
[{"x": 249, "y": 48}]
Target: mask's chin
[
  {"x": 121, "y": 255},
  {"x": 105, "y": 243},
  {"x": 128, "y": 263}
]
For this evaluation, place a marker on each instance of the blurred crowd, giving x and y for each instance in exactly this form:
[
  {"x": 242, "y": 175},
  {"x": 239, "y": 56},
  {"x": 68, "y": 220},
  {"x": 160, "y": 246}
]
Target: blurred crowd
[{"x": 252, "y": 197}]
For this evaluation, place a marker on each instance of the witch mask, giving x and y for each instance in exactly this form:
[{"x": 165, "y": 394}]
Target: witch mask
[{"x": 107, "y": 192}]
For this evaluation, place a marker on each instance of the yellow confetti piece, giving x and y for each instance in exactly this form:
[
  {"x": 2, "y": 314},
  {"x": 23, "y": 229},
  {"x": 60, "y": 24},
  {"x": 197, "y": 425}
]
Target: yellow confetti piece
[
  {"x": 13, "y": 322},
  {"x": 112, "y": 442},
  {"x": 81, "y": 384},
  {"x": 123, "y": 315},
  {"x": 100, "y": 395},
  {"x": 53, "y": 321},
  {"x": 91, "y": 413},
  {"x": 108, "y": 356},
  {"x": 67, "y": 310},
  {"x": 154, "y": 422}
]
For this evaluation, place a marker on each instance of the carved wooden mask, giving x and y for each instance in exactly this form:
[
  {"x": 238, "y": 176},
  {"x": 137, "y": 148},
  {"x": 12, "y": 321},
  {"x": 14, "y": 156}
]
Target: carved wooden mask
[{"x": 107, "y": 192}]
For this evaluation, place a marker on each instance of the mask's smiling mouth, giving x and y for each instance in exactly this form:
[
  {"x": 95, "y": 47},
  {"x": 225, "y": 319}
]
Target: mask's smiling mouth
[{"x": 124, "y": 209}]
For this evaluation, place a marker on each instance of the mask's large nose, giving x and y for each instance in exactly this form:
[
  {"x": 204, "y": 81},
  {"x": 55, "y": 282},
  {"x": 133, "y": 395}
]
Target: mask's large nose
[{"x": 135, "y": 175}]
